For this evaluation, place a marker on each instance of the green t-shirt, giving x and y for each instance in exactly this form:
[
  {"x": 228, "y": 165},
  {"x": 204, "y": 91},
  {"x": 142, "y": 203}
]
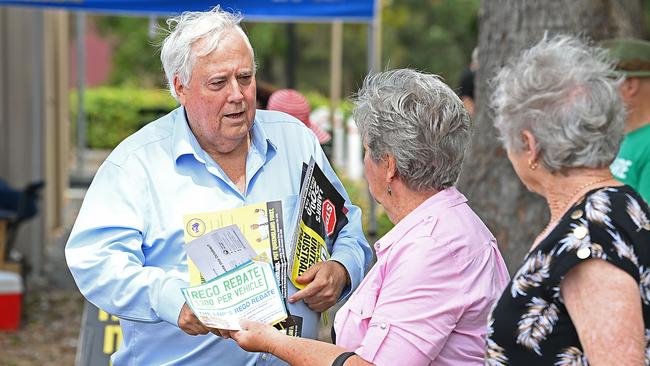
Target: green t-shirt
[{"x": 632, "y": 165}]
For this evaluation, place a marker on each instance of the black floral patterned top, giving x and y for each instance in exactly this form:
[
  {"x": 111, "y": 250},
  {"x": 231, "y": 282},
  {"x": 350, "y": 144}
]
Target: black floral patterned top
[{"x": 530, "y": 324}]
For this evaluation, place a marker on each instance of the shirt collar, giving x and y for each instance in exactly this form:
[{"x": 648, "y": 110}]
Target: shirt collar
[
  {"x": 427, "y": 212},
  {"x": 261, "y": 141},
  {"x": 183, "y": 140},
  {"x": 185, "y": 143}
]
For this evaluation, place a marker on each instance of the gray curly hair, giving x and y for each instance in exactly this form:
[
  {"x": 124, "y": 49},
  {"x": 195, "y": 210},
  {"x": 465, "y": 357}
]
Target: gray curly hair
[
  {"x": 185, "y": 30},
  {"x": 419, "y": 120},
  {"x": 563, "y": 91}
]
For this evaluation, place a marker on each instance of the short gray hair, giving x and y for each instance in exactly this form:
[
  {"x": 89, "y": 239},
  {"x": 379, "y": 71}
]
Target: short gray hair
[
  {"x": 419, "y": 120},
  {"x": 565, "y": 92},
  {"x": 176, "y": 53}
]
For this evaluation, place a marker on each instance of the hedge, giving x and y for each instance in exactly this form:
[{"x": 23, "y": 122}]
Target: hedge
[
  {"x": 318, "y": 100},
  {"x": 115, "y": 113}
]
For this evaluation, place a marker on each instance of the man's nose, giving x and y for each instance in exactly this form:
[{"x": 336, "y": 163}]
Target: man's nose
[{"x": 235, "y": 94}]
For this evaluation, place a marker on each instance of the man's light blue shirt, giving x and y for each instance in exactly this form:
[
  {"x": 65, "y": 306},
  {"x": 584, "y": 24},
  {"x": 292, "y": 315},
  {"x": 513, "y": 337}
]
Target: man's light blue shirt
[{"x": 126, "y": 248}]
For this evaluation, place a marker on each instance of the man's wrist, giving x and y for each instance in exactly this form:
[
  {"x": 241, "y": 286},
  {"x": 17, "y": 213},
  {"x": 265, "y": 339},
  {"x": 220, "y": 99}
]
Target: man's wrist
[{"x": 346, "y": 275}]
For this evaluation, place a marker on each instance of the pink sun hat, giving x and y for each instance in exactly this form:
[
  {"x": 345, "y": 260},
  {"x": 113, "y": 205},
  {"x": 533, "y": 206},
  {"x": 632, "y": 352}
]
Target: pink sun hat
[{"x": 294, "y": 103}]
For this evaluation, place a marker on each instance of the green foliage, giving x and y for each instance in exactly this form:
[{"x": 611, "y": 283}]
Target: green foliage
[
  {"x": 313, "y": 55},
  {"x": 646, "y": 10},
  {"x": 136, "y": 56},
  {"x": 115, "y": 113},
  {"x": 270, "y": 43},
  {"x": 432, "y": 35},
  {"x": 318, "y": 100},
  {"x": 437, "y": 36}
]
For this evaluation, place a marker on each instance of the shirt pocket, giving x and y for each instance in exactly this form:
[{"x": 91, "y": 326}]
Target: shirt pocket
[
  {"x": 361, "y": 309},
  {"x": 374, "y": 326},
  {"x": 375, "y": 337}
]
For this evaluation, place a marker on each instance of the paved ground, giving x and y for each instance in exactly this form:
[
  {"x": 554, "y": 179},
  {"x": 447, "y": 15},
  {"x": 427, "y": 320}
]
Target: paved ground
[{"x": 49, "y": 333}]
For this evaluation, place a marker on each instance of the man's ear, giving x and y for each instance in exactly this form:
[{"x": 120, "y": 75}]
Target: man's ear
[
  {"x": 530, "y": 145},
  {"x": 179, "y": 88},
  {"x": 629, "y": 88},
  {"x": 391, "y": 168}
]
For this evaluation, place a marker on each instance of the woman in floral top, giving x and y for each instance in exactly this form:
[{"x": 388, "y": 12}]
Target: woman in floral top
[{"x": 582, "y": 295}]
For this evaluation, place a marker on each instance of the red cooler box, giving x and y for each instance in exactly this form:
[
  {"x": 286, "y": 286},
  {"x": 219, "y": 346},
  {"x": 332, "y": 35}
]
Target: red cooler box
[{"x": 11, "y": 294}]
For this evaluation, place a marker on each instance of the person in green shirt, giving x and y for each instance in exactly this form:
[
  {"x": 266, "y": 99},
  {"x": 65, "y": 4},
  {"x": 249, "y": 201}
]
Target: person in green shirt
[{"x": 632, "y": 164}]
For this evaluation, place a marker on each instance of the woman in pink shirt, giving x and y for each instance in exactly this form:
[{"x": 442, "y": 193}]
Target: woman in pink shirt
[{"x": 438, "y": 271}]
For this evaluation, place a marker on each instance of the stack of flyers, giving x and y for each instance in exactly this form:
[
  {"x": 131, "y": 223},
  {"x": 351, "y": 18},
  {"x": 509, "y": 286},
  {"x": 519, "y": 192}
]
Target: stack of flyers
[
  {"x": 237, "y": 287},
  {"x": 320, "y": 218}
]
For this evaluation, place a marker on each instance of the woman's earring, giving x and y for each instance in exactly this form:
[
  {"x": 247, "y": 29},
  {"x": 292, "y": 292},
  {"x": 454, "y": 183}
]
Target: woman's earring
[
  {"x": 390, "y": 191},
  {"x": 532, "y": 164}
]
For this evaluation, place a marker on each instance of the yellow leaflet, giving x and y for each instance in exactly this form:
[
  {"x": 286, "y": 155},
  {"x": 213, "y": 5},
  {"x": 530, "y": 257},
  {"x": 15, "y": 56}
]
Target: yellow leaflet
[
  {"x": 310, "y": 249},
  {"x": 252, "y": 220}
]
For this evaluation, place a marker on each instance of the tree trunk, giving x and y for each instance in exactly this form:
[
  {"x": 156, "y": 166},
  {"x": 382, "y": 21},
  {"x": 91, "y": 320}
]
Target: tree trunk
[{"x": 513, "y": 214}]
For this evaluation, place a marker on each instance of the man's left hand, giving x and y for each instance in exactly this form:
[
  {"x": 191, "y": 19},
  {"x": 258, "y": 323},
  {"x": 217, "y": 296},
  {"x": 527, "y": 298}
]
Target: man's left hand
[{"x": 325, "y": 282}]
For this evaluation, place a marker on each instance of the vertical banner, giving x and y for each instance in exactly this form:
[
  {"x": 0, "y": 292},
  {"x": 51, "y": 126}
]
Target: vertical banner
[{"x": 100, "y": 337}]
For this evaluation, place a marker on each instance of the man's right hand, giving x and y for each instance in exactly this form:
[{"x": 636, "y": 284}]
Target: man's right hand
[{"x": 189, "y": 323}]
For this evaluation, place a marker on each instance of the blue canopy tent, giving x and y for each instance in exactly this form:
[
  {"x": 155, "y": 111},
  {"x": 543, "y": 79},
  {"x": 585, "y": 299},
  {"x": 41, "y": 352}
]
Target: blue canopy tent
[{"x": 254, "y": 10}]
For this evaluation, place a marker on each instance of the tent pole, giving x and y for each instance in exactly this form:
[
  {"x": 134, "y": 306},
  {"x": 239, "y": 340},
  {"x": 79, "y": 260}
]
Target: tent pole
[
  {"x": 37, "y": 235},
  {"x": 81, "y": 86},
  {"x": 336, "y": 64}
]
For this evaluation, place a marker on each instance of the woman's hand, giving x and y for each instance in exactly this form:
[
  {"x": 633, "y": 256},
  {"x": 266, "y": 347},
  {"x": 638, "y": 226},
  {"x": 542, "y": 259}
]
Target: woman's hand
[{"x": 256, "y": 336}]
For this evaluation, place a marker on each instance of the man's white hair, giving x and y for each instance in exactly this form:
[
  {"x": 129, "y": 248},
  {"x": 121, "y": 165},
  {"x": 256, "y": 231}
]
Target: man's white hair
[{"x": 177, "y": 54}]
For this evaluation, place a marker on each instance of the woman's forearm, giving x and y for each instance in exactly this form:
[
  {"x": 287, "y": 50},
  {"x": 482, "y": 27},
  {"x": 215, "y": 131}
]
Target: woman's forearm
[
  {"x": 308, "y": 352},
  {"x": 258, "y": 337}
]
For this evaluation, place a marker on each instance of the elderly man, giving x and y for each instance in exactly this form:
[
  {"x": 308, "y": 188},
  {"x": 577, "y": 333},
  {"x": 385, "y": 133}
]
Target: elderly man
[
  {"x": 214, "y": 152},
  {"x": 632, "y": 165}
]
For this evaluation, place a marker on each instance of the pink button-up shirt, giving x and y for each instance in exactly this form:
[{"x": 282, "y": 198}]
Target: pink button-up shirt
[{"x": 427, "y": 299}]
